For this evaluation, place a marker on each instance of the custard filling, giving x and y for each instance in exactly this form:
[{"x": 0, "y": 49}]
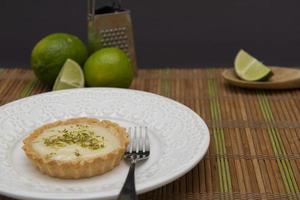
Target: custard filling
[{"x": 69, "y": 142}]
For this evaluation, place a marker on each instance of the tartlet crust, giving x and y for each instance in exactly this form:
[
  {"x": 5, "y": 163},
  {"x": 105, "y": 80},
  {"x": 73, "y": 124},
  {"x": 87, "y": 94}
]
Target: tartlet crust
[{"x": 81, "y": 167}]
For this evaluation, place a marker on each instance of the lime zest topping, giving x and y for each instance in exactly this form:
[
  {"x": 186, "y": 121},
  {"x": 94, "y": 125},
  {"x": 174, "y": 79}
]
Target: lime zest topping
[
  {"x": 80, "y": 135},
  {"x": 49, "y": 155},
  {"x": 77, "y": 153}
]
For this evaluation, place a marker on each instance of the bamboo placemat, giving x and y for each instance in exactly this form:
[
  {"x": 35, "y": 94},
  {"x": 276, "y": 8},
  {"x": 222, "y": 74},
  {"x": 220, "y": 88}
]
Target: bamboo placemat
[{"x": 255, "y": 140}]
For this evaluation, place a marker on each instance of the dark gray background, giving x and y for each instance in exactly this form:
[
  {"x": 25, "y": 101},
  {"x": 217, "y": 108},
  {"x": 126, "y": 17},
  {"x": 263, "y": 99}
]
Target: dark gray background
[{"x": 168, "y": 33}]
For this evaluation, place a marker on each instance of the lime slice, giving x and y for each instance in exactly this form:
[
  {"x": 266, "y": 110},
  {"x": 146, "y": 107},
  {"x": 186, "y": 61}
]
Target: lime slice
[
  {"x": 70, "y": 76},
  {"x": 249, "y": 68}
]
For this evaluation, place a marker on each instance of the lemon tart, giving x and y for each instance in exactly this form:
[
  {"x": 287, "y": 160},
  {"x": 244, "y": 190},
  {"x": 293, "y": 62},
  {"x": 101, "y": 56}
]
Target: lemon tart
[{"x": 76, "y": 148}]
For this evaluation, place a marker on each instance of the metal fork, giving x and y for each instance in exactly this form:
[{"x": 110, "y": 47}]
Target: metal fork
[{"x": 137, "y": 150}]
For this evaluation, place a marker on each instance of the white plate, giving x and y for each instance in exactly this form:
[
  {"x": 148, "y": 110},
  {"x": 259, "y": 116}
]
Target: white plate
[{"x": 179, "y": 139}]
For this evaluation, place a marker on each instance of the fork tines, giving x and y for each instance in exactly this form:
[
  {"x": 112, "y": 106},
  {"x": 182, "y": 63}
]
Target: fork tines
[{"x": 139, "y": 146}]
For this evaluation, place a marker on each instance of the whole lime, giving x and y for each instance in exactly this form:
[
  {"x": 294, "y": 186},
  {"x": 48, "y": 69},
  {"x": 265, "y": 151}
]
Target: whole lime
[
  {"x": 50, "y": 53},
  {"x": 108, "y": 67}
]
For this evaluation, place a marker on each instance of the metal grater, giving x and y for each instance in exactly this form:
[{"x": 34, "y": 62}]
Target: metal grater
[
  {"x": 115, "y": 37},
  {"x": 115, "y": 29}
]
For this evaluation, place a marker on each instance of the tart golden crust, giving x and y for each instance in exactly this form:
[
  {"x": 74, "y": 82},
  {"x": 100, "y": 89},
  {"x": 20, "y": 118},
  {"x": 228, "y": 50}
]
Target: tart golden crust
[{"x": 77, "y": 168}]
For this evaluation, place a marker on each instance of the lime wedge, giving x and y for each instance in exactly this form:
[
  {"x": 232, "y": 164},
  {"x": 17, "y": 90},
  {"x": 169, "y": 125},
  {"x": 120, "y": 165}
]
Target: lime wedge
[
  {"x": 70, "y": 76},
  {"x": 249, "y": 68}
]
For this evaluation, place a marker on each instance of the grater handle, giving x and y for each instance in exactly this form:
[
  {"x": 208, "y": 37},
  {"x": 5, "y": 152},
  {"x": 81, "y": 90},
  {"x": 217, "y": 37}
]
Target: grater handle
[
  {"x": 91, "y": 9},
  {"x": 117, "y": 4}
]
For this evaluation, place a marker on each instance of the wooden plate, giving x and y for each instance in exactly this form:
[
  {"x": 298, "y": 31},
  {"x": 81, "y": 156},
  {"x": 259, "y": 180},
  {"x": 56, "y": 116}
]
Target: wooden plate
[{"x": 282, "y": 78}]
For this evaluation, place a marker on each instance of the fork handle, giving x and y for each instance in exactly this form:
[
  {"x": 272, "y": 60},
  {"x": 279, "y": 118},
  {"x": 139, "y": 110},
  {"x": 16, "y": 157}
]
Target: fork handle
[{"x": 128, "y": 190}]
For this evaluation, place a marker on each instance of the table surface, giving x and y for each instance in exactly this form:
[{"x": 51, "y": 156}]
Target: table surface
[{"x": 255, "y": 139}]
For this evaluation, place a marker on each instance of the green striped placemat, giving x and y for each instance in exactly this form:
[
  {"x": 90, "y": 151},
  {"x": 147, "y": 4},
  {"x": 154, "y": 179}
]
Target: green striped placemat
[{"x": 255, "y": 142}]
